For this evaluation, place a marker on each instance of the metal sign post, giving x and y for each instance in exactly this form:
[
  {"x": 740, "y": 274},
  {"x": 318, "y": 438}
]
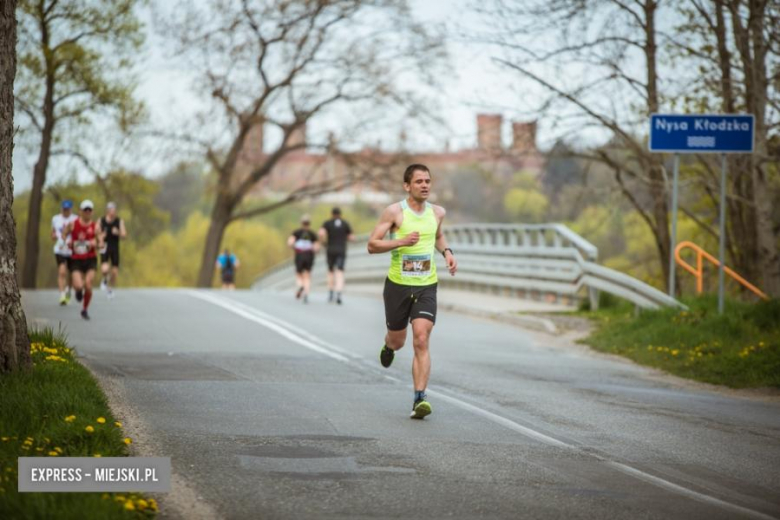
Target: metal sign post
[
  {"x": 675, "y": 187},
  {"x": 722, "y": 238},
  {"x": 701, "y": 133}
]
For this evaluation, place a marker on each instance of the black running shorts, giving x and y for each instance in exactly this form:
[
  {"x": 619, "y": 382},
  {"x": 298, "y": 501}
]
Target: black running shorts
[
  {"x": 111, "y": 255},
  {"x": 62, "y": 260},
  {"x": 405, "y": 303},
  {"x": 336, "y": 261},
  {"x": 304, "y": 262},
  {"x": 83, "y": 264}
]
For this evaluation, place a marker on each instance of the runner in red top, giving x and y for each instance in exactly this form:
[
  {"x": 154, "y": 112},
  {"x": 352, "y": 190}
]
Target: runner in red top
[{"x": 84, "y": 244}]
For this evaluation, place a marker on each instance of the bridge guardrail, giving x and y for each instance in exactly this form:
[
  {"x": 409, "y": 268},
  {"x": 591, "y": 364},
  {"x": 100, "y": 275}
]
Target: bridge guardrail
[{"x": 541, "y": 261}]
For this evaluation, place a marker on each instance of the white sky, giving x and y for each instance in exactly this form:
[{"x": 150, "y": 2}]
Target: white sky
[{"x": 474, "y": 85}]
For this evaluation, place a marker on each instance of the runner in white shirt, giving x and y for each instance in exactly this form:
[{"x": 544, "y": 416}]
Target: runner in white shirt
[{"x": 62, "y": 252}]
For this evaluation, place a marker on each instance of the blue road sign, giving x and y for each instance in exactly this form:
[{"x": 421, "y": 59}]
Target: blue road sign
[{"x": 701, "y": 133}]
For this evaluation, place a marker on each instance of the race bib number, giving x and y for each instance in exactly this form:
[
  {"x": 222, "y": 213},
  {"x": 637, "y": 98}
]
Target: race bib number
[
  {"x": 81, "y": 247},
  {"x": 415, "y": 265},
  {"x": 303, "y": 245}
]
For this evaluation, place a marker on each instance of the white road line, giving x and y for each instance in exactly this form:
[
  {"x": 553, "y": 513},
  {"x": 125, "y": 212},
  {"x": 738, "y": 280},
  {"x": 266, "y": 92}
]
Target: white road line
[
  {"x": 292, "y": 336},
  {"x": 320, "y": 346}
]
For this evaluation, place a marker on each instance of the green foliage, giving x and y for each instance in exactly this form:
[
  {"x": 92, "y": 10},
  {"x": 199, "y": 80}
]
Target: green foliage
[
  {"x": 82, "y": 52},
  {"x": 57, "y": 409},
  {"x": 740, "y": 348},
  {"x": 172, "y": 259},
  {"x": 525, "y": 205}
]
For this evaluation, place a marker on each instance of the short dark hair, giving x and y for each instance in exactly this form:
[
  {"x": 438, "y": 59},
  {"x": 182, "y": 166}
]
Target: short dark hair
[
  {"x": 336, "y": 211},
  {"x": 409, "y": 172}
]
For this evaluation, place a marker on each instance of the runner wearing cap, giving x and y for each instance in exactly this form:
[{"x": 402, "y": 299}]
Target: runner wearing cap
[
  {"x": 84, "y": 241},
  {"x": 336, "y": 232},
  {"x": 304, "y": 242},
  {"x": 110, "y": 228},
  {"x": 62, "y": 252}
]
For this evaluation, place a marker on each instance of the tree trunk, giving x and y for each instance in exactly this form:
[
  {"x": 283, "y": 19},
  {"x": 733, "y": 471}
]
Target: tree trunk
[
  {"x": 14, "y": 344},
  {"x": 658, "y": 192},
  {"x": 220, "y": 218},
  {"x": 31, "y": 239}
]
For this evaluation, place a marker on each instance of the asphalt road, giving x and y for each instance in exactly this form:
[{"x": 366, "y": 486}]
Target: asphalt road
[{"x": 272, "y": 409}]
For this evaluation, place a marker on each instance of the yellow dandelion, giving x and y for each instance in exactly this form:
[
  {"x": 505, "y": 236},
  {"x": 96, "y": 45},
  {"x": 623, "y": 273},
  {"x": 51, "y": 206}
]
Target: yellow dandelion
[
  {"x": 128, "y": 441},
  {"x": 142, "y": 504},
  {"x": 89, "y": 429},
  {"x": 38, "y": 449},
  {"x": 129, "y": 505},
  {"x": 675, "y": 352},
  {"x": 25, "y": 446},
  {"x": 97, "y": 455},
  {"x": 70, "y": 418},
  {"x": 58, "y": 449},
  {"x": 101, "y": 420},
  {"x": 27, "y": 441},
  {"x": 120, "y": 498},
  {"x": 4, "y": 439},
  {"x": 117, "y": 424},
  {"x": 106, "y": 496},
  {"x": 53, "y": 454}
]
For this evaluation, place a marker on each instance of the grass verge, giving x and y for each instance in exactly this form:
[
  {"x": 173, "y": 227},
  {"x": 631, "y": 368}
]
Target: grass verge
[
  {"x": 57, "y": 409},
  {"x": 739, "y": 349}
]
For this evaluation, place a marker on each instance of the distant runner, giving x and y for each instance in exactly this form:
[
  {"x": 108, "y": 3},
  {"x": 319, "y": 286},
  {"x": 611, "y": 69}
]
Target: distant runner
[
  {"x": 304, "y": 242},
  {"x": 111, "y": 228},
  {"x": 85, "y": 241},
  {"x": 62, "y": 252},
  {"x": 336, "y": 232},
  {"x": 410, "y": 288},
  {"x": 227, "y": 263}
]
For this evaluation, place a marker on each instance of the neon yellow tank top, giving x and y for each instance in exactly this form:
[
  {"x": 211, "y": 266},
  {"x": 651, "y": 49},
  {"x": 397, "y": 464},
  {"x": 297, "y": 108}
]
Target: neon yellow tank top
[{"x": 415, "y": 265}]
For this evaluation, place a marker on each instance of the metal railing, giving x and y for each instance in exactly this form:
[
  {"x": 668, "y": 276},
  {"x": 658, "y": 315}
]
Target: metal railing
[
  {"x": 698, "y": 271},
  {"x": 542, "y": 261}
]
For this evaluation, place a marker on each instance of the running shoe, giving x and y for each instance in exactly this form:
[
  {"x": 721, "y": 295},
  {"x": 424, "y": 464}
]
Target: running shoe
[
  {"x": 103, "y": 285},
  {"x": 420, "y": 409},
  {"x": 386, "y": 356},
  {"x": 63, "y": 299},
  {"x": 330, "y": 297},
  {"x": 110, "y": 294},
  {"x": 338, "y": 300},
  {"x": 299, "y": 293},
  {"x": 86, "y": 317},
  {"x": 79, "y": 295},
  {"x": 306, "y": 298}
]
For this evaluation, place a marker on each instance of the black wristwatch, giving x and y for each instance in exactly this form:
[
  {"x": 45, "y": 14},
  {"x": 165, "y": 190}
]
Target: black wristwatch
[{"x": 444, "y": 253}]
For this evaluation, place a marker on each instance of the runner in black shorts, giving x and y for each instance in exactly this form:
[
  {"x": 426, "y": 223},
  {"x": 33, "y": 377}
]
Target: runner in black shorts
[
  {"x": 304, "y": 242},
  {"x": 336, "y": 232},
  {"x": 410, "y": 289},
  {"x": 111, "y": 229}
]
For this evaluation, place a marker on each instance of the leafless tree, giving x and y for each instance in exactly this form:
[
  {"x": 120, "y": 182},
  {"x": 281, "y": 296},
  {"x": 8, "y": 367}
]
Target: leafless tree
[
  {"x": 607, "y": 64},
  {"x": 281, "y": 63}
]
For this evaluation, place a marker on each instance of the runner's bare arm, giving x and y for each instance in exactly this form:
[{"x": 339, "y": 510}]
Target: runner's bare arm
[
  {"x": 376, "y": 242},
  {"x": 441, "y": 242},
  {"x": 291, "y": 241},
  {"x": 122, "y": 230}
]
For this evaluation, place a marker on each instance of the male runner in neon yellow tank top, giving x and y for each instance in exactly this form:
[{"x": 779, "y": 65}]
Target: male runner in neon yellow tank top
[{"x": 410, "y": 289}]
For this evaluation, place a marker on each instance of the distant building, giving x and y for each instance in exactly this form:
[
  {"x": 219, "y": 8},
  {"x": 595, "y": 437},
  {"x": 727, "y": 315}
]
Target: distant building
[{"x": 302, "y": 168}]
